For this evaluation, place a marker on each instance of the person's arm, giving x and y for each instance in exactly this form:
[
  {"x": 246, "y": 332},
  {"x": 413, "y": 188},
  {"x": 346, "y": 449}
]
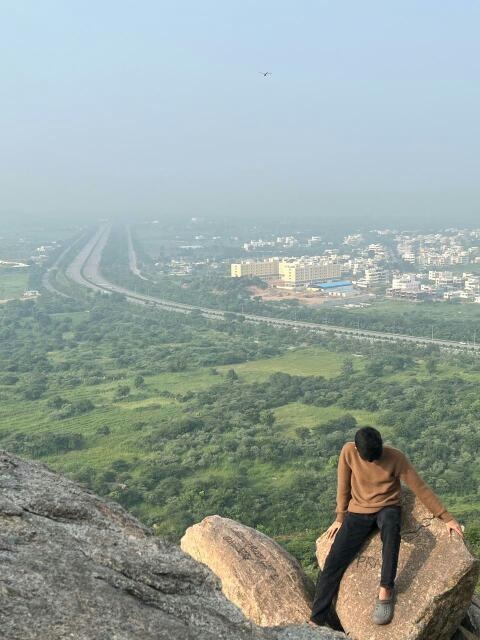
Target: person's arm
[
  {"x": 344, "y": 474},
  {"x": 421, "y": 489}
]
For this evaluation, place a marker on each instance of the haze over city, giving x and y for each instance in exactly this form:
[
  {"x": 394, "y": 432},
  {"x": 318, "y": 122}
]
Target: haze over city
[{"x": 158, "y": 109}]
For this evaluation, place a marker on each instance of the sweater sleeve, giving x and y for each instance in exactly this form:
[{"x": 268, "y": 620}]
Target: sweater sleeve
[
  {"x": 421, "y": 489},
  {"x": 344, "y": 473}
]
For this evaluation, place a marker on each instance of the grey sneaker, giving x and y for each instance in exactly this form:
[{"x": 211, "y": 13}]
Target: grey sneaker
[{"x": 383, "y": 612}]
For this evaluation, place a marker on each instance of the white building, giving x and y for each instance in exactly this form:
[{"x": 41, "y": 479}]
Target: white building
[
  {"x": 407, "y": 282},
  {"x": 375, "y": 276}
]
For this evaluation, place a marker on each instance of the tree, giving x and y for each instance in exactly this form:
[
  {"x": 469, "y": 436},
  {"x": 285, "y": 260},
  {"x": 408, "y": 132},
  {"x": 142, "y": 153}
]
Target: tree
[
  {"x": 267, "y": 417},
  {"x": 347, "y": 367},
  {"x": 104, "y": 430},
  {"x": 375, "y": 368},
  {"x": 122, "y": 392},
  {"x": 139, "y": 381},
  {"x": 431, "y": 365},
  {"x": 303, "y": 433}
]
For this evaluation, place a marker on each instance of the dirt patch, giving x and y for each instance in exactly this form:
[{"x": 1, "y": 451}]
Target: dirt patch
[{"x": 311, "y": 298}]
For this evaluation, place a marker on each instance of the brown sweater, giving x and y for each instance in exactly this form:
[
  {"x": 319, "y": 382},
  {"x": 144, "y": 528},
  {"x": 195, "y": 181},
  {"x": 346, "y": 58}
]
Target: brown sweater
[{"x": 366, "y": 487}]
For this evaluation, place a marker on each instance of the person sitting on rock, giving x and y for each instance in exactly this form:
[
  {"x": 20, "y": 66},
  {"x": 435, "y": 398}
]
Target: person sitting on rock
[{"x": 369, "y": 496}]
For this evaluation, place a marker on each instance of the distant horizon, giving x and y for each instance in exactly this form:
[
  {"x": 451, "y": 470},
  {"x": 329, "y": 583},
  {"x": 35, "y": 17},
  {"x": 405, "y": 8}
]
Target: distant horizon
[{"x": 304, "y": 225}]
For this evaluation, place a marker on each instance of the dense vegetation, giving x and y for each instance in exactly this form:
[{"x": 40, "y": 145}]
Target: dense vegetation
[{"x": 180, "y": 419}]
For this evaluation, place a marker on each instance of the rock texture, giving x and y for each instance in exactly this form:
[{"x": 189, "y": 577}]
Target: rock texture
[
  {"x": 471, "y": 621},
  {"x": 75, "y": 566},
  {"x": 435, "y": 581},
  {"x": 258, "y": 575},
  {"x": 464, "y": 634}
]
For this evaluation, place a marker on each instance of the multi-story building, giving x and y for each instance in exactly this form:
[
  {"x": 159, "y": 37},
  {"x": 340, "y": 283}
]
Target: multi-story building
[
  {"x": 406, "y": 282},
  {"x": 290, "y": 272},
  {"x": 287, "y": 241},
  {"x": 444, "y": 277},
  {"x": 354, "y": 239},
  {"x": 409, "y": 256},
  {"x": 472, "y": 285},
  {"x": 408, "y": 286},
  {"x": 461, "y": 257},
  {"x": 296, "y": 273},
  {"x": 375, "y": 276},
  {"x": 265, "y": 269},
  {"x": 253, "y": 245}
]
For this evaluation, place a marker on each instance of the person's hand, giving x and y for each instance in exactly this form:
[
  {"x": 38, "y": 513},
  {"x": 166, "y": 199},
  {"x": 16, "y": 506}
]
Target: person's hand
[
  {"x": 453, "y": 525},
  {"x": 332, "y": 530}
]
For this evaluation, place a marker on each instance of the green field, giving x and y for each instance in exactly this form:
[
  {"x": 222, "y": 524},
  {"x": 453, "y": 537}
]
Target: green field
[
  {"x": 437, "y": 309},
  {"x": 296, "y": 414},
  {"x": 13, "y": 283},
  {"x": 311, "y": 361}
]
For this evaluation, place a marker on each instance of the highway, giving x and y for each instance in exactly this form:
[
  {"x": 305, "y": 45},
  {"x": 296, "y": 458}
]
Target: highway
[
  {"x": 46, "y": 283},
  {"x": 85, "y": 271},
  {"x": 132, "y": 257}
]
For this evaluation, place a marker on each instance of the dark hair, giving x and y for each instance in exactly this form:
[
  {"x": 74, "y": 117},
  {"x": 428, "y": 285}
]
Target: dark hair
[{"x": 369, "y": 443}]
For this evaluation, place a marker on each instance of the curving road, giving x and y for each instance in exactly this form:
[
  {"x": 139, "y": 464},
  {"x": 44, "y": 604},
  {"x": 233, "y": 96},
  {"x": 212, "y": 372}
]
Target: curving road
[
  {"x": 132, "y": 257},
  {"x": 85, "y": 271},
  {"x": 46, "y": 282}
]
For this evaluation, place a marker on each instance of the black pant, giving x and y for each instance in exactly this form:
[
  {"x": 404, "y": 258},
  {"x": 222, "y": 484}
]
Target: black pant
[{"x": 348, "y": 541}]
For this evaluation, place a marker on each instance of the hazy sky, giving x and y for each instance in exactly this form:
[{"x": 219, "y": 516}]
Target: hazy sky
[{"x": 151, "y": 108}]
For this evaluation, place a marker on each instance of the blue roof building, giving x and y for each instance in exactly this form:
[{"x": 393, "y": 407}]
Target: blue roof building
[
  {"x": 330, "y": 286},
  {"x": 339, "y": 289}
]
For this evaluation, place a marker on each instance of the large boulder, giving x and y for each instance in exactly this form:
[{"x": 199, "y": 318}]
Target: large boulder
[
  {"x": 435, "y": 581},
  {"x": 78, "y": 567},
  {"x": 257, "y": 574}
]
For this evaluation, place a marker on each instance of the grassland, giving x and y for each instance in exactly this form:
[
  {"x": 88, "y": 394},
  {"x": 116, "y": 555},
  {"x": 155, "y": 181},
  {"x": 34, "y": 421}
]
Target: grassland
[
  {"x": 12, "y": 283},
  {"x": 296, "y": 414},
  {"x": 443, "y": 310},
  {"x": 310, "y": 361}
]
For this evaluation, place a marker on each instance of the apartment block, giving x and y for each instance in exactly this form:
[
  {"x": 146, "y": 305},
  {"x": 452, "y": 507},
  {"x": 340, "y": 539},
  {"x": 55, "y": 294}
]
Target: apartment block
[
  {"x": 291, "y": 273},
  {"x": 299, "y": 273},
  {"x": 265, "y": 269}
]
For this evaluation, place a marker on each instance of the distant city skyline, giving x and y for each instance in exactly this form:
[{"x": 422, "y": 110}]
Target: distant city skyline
[{"x": 158, "y": 109}]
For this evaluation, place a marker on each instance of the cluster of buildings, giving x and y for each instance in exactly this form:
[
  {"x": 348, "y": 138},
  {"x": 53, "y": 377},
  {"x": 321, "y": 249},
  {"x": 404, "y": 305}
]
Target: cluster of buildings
[
  {"x": 386, "y": 262},
  {"x": 42, "y": 253},
  {"x": 288, "y": 272},
  {"x": 377, "y": 266},
  {"x": 438, "y": 249},
  {"x": 340, "y": 274},
  {"x": 281, "y": 242},
  {"x": 185, "y": 267},
  {"x": 436, "y": 285}
]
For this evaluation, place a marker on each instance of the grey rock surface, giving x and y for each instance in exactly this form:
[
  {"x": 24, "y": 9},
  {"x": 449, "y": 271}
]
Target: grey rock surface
[
  {"x": 76, "y": 566},
  {"x": 471, "y": 621},
  {"x": 464, "y": 634}
]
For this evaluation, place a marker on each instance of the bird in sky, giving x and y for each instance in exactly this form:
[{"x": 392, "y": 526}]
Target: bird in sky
[{"x": 265, "y": 73}]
